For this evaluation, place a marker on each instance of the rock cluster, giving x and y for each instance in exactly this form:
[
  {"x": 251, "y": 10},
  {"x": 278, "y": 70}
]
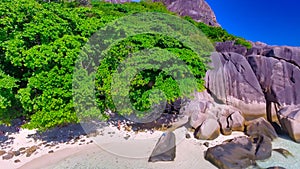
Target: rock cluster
[
  {"x": 241, "y": 152},
  {"x": 260, "y": 82}
]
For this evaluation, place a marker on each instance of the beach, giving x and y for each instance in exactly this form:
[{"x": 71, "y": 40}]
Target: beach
[{"x": 111, "y": 148}]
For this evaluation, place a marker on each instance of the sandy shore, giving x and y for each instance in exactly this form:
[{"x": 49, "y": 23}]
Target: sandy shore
[{"x": 114, "y": 148}]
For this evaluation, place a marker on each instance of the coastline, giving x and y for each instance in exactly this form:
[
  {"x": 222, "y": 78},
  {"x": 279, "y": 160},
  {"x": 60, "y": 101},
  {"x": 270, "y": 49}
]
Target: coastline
[{"x": 105, "y": 153}]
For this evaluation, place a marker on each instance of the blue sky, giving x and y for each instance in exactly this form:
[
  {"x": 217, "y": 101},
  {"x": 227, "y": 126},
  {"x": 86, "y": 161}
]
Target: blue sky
[{"x": 274, "y": 22}]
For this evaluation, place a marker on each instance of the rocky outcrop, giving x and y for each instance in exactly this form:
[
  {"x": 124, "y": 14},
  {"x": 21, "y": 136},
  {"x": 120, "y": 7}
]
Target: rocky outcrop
[
  {"x": 259, "y": 82},
  {"x": 210, "y": 118},
  {"x": 165, "y": 148},
  {"x": 289, "y": 118},
  {"x": 233, "y": 82},
  {"x": 199, "y": 10}
]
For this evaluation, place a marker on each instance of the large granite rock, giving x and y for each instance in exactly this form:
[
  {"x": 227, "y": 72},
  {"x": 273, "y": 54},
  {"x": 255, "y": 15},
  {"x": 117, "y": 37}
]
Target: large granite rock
[
  {"x": 278, "y": 73},
  {"x": 237, "y": 153},
  {"x": 289, "y": 118},
  {"x": 199, "y": 10},
  {"x": 165, "y": 148},
  {"x": 260, "y": 126},
  {"x": 233, "y": 82},
  {"x": 240, "y": 152},
  {"x": 229, "y": 46}
]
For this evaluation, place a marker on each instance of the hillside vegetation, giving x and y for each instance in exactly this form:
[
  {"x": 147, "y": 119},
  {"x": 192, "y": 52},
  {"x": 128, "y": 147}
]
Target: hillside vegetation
[{"x": 40, "y": 42}]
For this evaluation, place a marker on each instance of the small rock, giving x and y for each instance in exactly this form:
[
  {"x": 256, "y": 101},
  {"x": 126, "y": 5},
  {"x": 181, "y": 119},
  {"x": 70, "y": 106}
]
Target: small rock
[
  {"x": 17, "y": 153},
  {"x": 31, "y": 150},
  {"x": 22, "y": 149},
  {"x": 187, "y": 135},
  {"x": 206, "y": 144},
  {"x": 83, "y": 140},
  {"x": 127, "y": 136},
  {"x": 17, "y": 161},
  {"x": 127, "y": 128},
  {"x": 8, "y": 156},
  {"x": 51, "y": 151}
]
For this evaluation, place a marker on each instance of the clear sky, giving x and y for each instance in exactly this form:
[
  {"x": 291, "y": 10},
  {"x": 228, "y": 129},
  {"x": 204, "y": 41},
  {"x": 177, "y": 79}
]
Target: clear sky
[{"x": 275, "y": 22}]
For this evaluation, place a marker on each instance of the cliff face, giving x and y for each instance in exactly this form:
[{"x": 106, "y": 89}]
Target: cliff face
[{"x": 199, "y": 10}]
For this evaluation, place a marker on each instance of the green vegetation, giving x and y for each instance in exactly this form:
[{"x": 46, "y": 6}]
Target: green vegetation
[
  {"x": 40, "y": 42},
  {"x": 218, "y": 34}
]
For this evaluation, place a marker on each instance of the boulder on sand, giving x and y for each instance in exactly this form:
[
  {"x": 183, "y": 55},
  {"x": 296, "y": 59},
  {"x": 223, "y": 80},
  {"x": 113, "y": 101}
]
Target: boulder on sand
[{"x": 165, "y": 148}]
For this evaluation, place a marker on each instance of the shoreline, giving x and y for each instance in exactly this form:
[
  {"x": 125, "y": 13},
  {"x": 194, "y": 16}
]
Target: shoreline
[{"x": 129, "y": 147}]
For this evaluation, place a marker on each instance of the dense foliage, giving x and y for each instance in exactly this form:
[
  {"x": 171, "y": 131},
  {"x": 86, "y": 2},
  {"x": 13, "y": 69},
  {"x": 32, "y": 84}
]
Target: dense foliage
[{"x": 39, "y": 43}]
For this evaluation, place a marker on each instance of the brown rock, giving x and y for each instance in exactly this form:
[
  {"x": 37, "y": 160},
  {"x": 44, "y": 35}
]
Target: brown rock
[
  {"x": 17, "y": 161},
  {"x": 2, "y": 152},
  {"x": 31, "y": 150},
  {"x": 51, "y": 151}
]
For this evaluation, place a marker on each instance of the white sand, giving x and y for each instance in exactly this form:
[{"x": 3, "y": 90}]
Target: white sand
[
  {"x": 113, "y": 151},
  {"x": 21, "y": 140}
]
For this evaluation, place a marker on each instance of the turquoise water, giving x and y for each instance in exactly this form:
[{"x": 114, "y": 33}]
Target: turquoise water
[
  {"x": 96, "y": 158},
  {"x": 278, "y": 159}
]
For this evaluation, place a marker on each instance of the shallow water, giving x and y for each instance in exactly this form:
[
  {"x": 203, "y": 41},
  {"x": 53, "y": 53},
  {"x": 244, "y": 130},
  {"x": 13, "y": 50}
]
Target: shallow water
[
  {"x": 193, "y": 159},
  {"x": 278, "y": 159}
]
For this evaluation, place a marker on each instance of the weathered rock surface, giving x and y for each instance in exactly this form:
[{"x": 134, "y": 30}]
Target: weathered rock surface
[
  {"x": 199, "y": 10},
  {"x": 235, "y": 154},
  {"x": 240, "y": 152},
  {"x": 289, "y": 118},
  {"x": 260, "y": 127},
  {"x": 233, "y": 82},
  {"x": 208, "y": 130},
  {"x": 277, "y": 70},
  {"x": 202, "y": 108},
  {"x": 165, "y": 148},
  {"x": 229, "y": 46}
]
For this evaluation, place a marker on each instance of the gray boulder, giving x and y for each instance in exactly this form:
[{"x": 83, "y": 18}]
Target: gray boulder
[
  {"x": 289, "y": 118},
  {"x": 233, "y": 82},
  {"x": 208, "y": 130},
  {"x": 164, "y": 149},
  {"x": 260, "y": 127},
  {"x": 240, "y": 152},
  {"x": 235, "y": 154}
]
